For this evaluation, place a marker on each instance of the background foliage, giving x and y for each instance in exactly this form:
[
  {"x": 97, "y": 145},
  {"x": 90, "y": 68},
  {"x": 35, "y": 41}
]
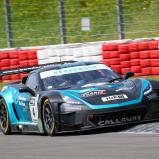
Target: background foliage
[{"x": 37, "y": 22}]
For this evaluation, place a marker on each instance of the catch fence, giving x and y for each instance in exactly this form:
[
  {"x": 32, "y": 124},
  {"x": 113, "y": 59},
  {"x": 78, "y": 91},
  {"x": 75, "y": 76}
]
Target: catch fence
[{"x": 35, "y": 23}]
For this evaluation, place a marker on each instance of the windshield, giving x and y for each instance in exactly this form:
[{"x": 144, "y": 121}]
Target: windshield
[{"x": 79, "y": 78}]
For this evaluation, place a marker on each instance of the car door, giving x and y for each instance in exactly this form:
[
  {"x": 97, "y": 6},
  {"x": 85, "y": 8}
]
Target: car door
[{"x": 25, "y": 105}]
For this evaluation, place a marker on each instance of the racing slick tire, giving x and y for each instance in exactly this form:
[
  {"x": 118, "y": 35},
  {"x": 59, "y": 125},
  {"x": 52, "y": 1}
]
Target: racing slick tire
[
  {"x": 48, "y": 119},
  {"x": 5, "y": 125}
]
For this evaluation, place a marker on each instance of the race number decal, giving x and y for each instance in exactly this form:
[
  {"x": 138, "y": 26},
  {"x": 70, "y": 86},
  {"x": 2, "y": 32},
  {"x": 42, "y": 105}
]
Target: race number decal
[
  {"x": 114, "y": 97},
  {"x": 34, "y": 109}
]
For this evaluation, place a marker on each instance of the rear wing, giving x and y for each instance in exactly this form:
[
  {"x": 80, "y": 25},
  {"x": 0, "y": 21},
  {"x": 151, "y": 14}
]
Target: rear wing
[{"x": 31, "y": 68}]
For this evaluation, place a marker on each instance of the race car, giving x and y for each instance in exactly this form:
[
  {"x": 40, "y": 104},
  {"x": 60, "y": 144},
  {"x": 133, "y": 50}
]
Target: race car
[{"x": 75, "y": 96}]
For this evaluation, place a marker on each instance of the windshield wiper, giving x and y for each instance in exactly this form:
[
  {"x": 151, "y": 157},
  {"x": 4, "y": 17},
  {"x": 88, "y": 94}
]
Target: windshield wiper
[
  {"x": 114, "y": 79},
  {"x": 62, "y": 87}
]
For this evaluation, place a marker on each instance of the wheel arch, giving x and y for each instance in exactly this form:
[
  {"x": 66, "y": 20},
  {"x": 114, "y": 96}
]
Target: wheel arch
[{"x": 55, "y": 99}]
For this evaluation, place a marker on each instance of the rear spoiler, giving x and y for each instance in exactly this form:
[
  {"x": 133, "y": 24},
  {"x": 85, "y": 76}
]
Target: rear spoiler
[{"x": 32, "y": 68}]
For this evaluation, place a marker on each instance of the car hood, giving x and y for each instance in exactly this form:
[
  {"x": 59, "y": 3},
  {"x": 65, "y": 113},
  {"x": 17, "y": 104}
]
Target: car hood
[{"x": 109, "y": 93}]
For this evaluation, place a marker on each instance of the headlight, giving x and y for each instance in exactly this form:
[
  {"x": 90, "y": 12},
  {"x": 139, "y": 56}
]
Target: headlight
[
  {"x": 148, "y": 89},
  {"x": 70, "y": 108},
  {"x": 72, "y": 105},
  {"x": 72, "y": 101}
]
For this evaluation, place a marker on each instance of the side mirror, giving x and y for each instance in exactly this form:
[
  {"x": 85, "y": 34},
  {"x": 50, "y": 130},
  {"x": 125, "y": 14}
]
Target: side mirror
[
  {"x": 24, "y": 79},
  {"x": 27, "y": 89},
  {"x": 128, "y": 75}
]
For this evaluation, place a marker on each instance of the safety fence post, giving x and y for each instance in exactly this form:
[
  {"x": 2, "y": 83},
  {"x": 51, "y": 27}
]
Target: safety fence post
[{"x": 8, "y": 24}]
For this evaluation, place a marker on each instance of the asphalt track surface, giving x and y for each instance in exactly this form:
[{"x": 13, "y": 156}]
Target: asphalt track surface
[{"x": 124, "y": 145}]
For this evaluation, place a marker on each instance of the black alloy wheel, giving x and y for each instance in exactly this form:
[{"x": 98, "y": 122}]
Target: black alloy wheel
[
  {"x": 48, "y": 118},
  {"x": 4, "y": 118}
]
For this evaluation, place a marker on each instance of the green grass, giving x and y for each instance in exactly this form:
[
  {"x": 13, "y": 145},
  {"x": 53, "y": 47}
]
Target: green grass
[
  {"x": 153, "y": 77},
  {"x": 1, "y": 85},
  {"x": 37, "y": 22}
]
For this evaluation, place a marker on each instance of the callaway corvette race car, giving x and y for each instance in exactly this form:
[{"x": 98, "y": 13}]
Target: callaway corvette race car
[{"x": 75, "y": 96}]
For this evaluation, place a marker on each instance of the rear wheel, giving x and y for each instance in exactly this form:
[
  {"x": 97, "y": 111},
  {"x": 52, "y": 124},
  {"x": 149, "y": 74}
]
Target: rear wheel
[
  {"x": 48, "y": 118},
  {"x": 4, "y": 118}
]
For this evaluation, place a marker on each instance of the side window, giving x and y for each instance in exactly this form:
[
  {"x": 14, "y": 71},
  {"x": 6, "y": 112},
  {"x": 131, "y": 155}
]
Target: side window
[{"x": 32, "y": 81}]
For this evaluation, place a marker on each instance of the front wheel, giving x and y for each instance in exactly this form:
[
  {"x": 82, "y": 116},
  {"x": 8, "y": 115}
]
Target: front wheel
[
  {"x": 48, "y": 118},
  {"x": 4, "y": 118}
]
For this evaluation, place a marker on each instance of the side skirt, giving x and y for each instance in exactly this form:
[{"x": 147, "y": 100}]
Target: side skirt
[{"x": 24, "y": 128}]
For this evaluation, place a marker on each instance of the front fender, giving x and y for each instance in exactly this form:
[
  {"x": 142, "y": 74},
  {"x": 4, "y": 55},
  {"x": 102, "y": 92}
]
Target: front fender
[
  {"x": 55, "y": 100},
  {"x": 53, "y": 97}
]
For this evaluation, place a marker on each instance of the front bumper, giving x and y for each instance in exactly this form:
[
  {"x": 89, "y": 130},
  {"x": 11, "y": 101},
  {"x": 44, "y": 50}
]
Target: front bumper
[{"x": 93, "y": 119}]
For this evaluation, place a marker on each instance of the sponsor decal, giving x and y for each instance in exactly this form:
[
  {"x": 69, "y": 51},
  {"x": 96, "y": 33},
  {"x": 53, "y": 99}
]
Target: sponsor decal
[
  {"x": 69, "y": 70},
  {"x": 22, "y": 101},
  {"x": 94, "y": 84},
  {"x": 94, "y": 93},
  {"x": 114, "y": 97},
  {"x": 119, "y": 120},
  {"x": 124, "y": 89},
  {"x": 34, "y": 108},
  {"x": 22, "y": 98}
]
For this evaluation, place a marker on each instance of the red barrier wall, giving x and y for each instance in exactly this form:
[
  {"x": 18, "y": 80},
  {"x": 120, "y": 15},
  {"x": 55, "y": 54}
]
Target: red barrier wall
[
  {"x": 142, "y": 57},
  {"x": 15, "y": 59}
]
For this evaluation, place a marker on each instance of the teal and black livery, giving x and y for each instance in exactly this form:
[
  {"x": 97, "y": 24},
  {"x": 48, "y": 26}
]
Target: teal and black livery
[{"x": 75, "y": 96}]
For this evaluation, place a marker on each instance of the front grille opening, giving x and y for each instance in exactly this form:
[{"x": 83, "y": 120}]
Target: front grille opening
[{"x": 117, "y": 118}]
